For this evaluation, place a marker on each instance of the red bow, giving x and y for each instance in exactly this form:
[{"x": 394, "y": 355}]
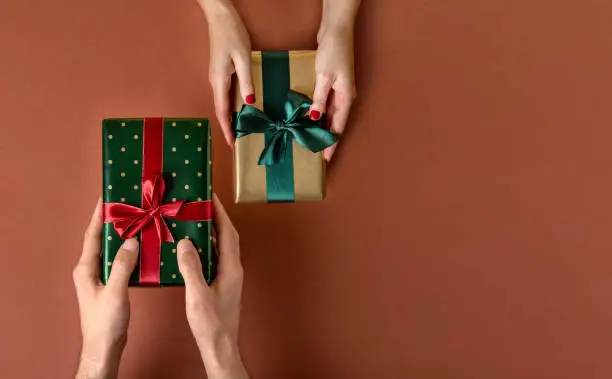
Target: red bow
[{"x": 129, "y": 220}]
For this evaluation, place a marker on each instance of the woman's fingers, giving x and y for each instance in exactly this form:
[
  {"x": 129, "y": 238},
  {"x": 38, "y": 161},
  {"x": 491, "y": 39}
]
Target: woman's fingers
[
  {"x": 321, "y": 93},
  {"x": 221, "y": 84},
  {"x": 343, "y": 97},
  {"x": 242, "y": 65}
]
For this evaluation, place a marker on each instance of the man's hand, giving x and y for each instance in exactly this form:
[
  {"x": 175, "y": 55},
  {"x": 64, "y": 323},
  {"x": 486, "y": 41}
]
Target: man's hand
[
  {"x": 230, "y": 52},
  {"x": 213, "y": 311},
  {"x": 335, "y": 80},
  {"x": 105, "y": 310}
]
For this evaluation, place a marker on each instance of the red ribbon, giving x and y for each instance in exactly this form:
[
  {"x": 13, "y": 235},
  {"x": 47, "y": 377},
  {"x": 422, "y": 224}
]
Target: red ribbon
[{"x": 128, "y": 220}]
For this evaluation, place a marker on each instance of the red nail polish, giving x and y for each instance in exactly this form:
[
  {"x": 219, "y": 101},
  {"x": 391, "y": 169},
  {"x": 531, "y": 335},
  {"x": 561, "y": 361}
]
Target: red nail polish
[
  {"x": 315, "y": 114},
  {"x": 250, "y": 99}
]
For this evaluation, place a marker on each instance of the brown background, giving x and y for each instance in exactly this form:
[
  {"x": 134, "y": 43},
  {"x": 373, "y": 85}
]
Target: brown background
[{"x": 467, "y": 229}]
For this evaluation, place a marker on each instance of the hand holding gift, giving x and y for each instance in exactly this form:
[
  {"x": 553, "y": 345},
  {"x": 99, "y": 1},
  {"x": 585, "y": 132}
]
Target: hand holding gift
[
  {"x": 230, "y": 50},
  {"x": 153, "y": 192},
  {"x": 335, "y": 87},
  {"x": 104, "y": 310},
  {"x": 213, "y": 311},
  {"x": 230, "y": 53}
]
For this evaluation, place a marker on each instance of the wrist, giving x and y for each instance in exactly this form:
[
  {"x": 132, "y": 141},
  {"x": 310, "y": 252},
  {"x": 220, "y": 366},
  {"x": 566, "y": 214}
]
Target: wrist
[
  {"x": 338, "y": 17},
  {"x": 214, "y": 8},
  {"x": 229, "y": 370},
  {"x": 90, "y": 368},
  {"x": 222, "y": 360},
  {"x": 336, "y": 29},
  {"x": 99, "y": 362}
]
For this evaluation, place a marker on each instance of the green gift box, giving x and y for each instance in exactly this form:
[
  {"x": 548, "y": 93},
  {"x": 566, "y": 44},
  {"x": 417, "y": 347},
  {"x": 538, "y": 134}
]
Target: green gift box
[{"x": 157, "y": 188}]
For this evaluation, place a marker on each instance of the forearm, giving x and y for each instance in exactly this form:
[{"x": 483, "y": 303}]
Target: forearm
[
  {"x": 233, "y": 370},
  {"x": 338, "y": 15}
]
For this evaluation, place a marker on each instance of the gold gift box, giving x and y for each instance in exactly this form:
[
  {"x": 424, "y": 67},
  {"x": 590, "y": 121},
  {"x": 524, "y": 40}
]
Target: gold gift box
[{"x": 308, "y": 167}]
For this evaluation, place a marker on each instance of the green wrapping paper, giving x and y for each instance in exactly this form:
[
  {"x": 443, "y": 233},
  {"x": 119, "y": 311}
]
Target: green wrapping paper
[{"x": 187, "y": 176}]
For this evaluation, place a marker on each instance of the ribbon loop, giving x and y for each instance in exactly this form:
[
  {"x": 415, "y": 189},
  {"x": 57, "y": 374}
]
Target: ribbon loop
[{"x": 296, "y": 126}]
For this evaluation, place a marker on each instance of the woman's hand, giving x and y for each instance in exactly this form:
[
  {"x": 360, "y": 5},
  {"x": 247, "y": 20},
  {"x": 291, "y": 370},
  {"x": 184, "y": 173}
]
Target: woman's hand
[
  {"x": 230, "y": 52},
  {"x": 335, "y": 80},
  {"x": 213, "y": 312},
  {"x": 104, "y": 310}
]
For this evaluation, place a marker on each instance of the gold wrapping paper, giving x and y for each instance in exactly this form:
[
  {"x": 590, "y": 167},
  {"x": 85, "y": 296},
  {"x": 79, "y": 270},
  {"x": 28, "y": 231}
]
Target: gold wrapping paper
[{"x": 309, "y": 167}]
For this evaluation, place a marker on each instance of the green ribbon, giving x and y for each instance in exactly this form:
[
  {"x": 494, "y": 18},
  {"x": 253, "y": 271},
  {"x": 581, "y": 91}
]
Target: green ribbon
[{"x": 294, "y": 126}]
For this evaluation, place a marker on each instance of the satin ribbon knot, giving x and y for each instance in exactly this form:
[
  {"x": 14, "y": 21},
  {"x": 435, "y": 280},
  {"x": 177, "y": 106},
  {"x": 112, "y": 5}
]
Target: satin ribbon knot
[
  {"x": 130, "y": 220},
  {"x": 295, "y": 126}
]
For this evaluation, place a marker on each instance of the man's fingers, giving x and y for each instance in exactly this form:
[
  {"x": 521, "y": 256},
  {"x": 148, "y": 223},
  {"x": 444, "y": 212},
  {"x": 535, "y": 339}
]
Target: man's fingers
[
  {"x": 190, "y": 265},
  {"x": 228, "y": 243},
  {"x": 87, "y": 270},
  {"x": 123, "y": 266},
  {"x": 226, "y": 233},
  {"x": 91, "y": 241},
  {"x": 242, "y": 64},
  {"x": 221, "y": 84},
  {"x": 222, "y": 220},
  {"x": 321, "y": 93}
]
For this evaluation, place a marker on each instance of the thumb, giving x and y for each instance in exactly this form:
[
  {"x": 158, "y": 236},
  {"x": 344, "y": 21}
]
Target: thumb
[
  {"x": 123, "y": 265},
  {"x": 189, "y": 264},
  {"x": 320, "y": 95}
]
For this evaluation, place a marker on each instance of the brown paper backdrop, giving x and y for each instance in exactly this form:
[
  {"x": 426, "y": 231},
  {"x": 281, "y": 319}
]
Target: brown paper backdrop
[{"x": 469, "y": 237}]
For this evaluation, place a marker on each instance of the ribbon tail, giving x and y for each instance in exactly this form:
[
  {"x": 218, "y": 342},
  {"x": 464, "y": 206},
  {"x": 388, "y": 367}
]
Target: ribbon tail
[
  {"x": 129, "y": 227},
  {"x": 196, "y": 211},
  {"x": 150, "y": 256},
  {"x": 162, "y": 229},
  {"x": 275, "y": 150}
]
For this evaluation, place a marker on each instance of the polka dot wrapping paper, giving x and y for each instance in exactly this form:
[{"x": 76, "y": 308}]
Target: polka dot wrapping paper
[{"x": 182, "y": 152}]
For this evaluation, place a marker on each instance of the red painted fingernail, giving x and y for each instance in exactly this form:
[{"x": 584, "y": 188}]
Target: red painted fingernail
[
  {"x": 250, "y": 99},
  {"x": 315, "y": 114}
]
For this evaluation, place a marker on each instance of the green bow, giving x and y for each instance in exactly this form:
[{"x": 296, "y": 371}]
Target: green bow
[{"x": 296, "y": 125}]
